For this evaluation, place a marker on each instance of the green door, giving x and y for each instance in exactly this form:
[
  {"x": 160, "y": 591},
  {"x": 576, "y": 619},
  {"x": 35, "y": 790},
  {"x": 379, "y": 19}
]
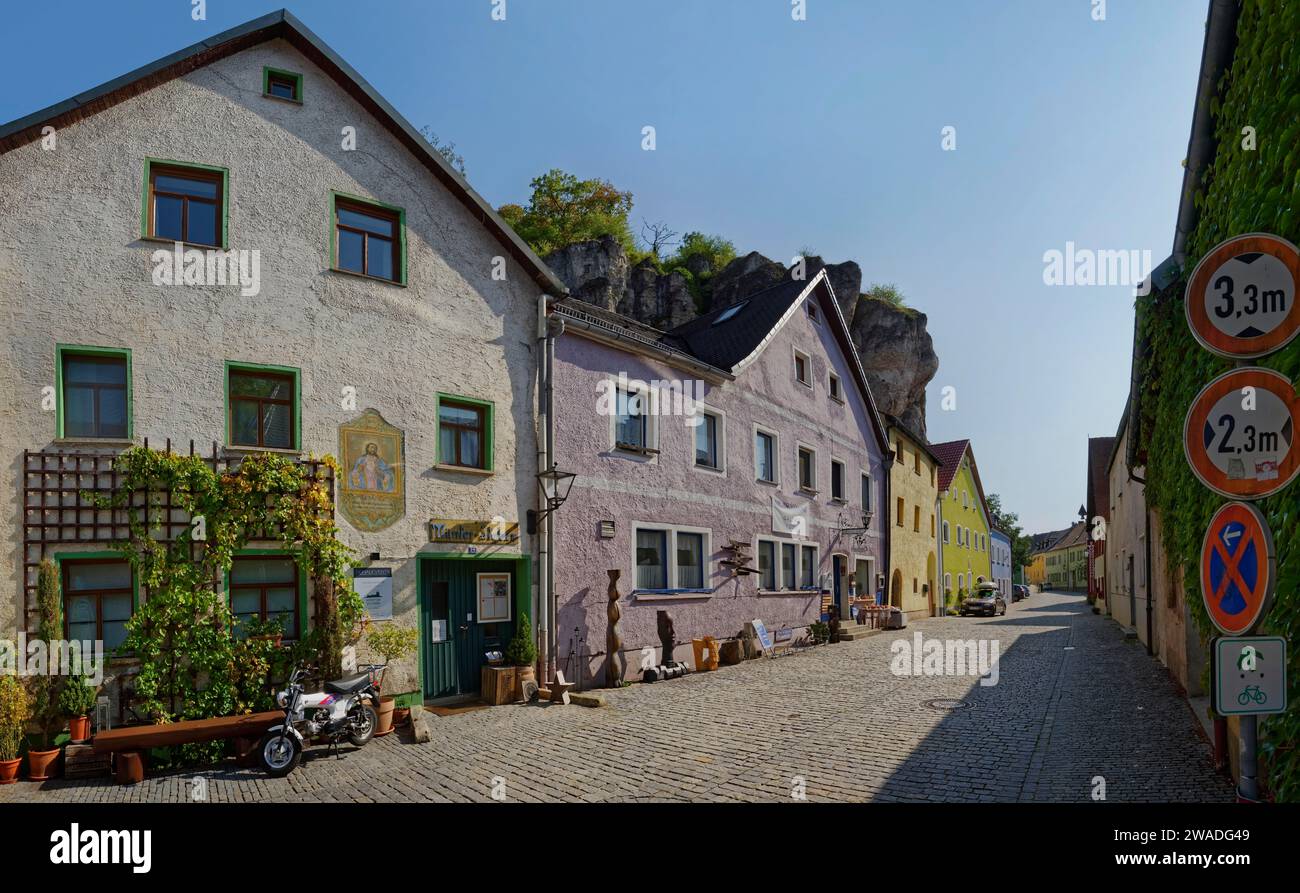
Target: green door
[{"x": 456, "y": 637}]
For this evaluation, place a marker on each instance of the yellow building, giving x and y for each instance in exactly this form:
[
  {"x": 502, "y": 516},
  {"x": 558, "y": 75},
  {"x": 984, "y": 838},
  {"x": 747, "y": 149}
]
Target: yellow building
[
  {"x": 913, "y": 483},
  {"x": 963, "y": 521},
  {"x": 1036, "y": 571}
]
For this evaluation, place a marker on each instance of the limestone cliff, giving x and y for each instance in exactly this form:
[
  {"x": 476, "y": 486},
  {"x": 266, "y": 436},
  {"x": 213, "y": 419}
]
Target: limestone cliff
[{"x": 893, "y": 345}]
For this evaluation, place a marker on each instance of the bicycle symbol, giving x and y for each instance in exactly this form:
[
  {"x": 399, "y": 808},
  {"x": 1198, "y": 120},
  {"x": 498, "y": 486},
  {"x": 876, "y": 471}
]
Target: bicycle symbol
[{"x": 1251, "y": 693}]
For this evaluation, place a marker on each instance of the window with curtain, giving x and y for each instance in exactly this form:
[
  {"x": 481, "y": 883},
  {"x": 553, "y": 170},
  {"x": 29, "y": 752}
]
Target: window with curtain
[{"x": 652, "y": 559}]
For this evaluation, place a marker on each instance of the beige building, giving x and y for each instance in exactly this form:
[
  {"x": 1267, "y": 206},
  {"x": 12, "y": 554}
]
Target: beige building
[
  {"x": 1144, "y": 597},
  {"x": 913, "y": 492},
  {"x": 391, "y": 305}
]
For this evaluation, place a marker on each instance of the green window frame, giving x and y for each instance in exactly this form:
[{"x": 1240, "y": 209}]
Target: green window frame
[
  {"x": 489, "y": 428},
  {"x": 146, "y": 203},
  {"x": 362, "y": 204},
  {"x": 288, "y": 371},
  {"x": 64, "y": 350},
  {"x": 282, "y": 75},
  {"x": 100, "y": 557},
  {"x": 301, "y": 566}
]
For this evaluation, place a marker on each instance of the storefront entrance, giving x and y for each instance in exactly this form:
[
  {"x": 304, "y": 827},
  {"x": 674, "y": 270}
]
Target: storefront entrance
[{"x": 468, "y": 607}]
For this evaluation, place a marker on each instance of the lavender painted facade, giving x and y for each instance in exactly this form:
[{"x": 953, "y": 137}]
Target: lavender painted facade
[{"x": 649, "y": 512}]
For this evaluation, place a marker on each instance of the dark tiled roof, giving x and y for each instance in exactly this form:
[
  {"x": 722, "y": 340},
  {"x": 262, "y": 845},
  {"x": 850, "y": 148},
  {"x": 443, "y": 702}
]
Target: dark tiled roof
[
  {"x": 724, "y": 344},
  {"x": 1077, "y": 535},
  {"x": 1041, "y": 542},
  {"x": 949, "y": 454},
  {"x": 1099, "y": 452}
]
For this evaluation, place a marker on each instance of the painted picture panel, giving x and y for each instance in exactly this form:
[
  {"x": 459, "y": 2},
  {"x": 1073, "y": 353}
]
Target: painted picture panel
[{"x": 372, "y": 480}]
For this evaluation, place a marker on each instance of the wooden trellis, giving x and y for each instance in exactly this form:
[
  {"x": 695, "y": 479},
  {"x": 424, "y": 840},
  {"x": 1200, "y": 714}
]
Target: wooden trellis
[{"x": 59, "y": 491}]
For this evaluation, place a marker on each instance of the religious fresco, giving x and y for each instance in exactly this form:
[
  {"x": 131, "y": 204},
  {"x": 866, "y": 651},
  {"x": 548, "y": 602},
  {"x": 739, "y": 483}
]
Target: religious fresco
[{"x": 372, "y": 483}]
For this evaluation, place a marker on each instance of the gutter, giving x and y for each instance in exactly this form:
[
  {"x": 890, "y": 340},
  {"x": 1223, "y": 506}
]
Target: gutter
[{"x": 1216, "y": 58}]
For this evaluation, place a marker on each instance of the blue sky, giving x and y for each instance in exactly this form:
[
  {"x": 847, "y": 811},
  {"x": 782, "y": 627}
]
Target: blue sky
[{"x": 782, "y": 134}]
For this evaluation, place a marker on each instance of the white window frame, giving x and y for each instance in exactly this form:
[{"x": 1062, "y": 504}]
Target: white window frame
[
  {"x": 867, "y": 588},
  {"x": 671, "y": 544},
  {"x": 799, "y": 445},
  {"x": 719, "y": 435},
  {"x": 816, "y": 562},
  {"x": 650, "y": 396},
  {"x": 776, "y": 562},
  {"x": 835, "y": 387},
  {"x": 871, "y": 491},
  {"x": 807, "y": 367},
  {"x": 844, "y": 480},
  {"x": 945, "y": 532},
  {"x": 776, "y": 454},
  {"x": 478, "y": 597},
  {"x": 947, "y": 583}
]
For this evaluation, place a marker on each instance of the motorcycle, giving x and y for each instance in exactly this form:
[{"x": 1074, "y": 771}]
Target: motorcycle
[{"x": 345, "y": 709}]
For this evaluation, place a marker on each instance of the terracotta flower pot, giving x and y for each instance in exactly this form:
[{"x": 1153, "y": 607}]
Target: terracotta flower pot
[
  {"x": 522, "y": 675},
  {"x": 401, "y": 716},
  {"x": 40, "y": 763},
  {"x": 386, "y": 707},
  {"x": 79, "y": 729},
  {"x": 9, "y": 770}
]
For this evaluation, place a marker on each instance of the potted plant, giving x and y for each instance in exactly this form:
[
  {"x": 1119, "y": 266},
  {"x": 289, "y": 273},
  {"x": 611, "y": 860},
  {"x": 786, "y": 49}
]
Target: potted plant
[
  {"x": 44, "y": 689},
  {"x": 394, "y": 643},
  {"x": 521, "y": 653},
  {"x": 76, "y": 701},
  {"x": 15, "y": 711}
]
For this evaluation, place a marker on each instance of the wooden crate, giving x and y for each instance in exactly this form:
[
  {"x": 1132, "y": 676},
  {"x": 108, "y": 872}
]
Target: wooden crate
[
  {"x": 498, "y": 685},
  {"x": 81, "y": 761}
]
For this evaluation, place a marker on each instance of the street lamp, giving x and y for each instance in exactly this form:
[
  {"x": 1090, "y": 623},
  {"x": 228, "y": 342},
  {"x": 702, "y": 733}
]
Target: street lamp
[{"x": 560, "y": 485}]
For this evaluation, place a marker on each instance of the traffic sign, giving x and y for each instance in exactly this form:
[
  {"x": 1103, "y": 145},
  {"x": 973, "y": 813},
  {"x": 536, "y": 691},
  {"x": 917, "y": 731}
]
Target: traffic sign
[
  {"x": 1249, "y": 675},
  {"x": 1241, "y": 299},
  {"x": 1238, "y": 568},
  {"x": 1239, "y": 435}
]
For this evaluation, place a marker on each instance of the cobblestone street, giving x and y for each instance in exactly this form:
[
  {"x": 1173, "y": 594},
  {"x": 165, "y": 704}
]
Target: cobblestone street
[{"x": 1073, "y": 701}]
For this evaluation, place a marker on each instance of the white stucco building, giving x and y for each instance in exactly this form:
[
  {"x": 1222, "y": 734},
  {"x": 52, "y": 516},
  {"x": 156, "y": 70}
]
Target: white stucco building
[{"x": 388, "y": 293}]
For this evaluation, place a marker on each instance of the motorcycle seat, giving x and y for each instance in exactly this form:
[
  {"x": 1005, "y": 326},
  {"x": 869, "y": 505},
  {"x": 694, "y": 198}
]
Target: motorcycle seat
[{"x": 348, "y": 685}]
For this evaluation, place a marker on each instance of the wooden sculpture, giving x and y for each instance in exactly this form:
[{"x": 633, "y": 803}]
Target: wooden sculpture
[{"x": 615, "y": 663}]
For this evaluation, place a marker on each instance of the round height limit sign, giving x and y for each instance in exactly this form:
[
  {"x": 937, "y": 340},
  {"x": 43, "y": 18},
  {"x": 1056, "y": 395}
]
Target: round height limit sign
[
  {"x": 1240, "y": 301},
  {"x": 1239, "y": 435}
]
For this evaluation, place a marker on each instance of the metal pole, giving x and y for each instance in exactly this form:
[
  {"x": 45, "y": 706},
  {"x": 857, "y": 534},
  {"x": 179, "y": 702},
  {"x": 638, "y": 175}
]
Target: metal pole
[{"x": 1248, "y": 789}]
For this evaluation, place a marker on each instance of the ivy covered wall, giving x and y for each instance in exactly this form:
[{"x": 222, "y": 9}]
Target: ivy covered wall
[{"x": 1244, "y": 190}]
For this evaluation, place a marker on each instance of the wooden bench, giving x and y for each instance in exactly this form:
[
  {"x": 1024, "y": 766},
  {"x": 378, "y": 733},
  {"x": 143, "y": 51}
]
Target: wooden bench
[{"x": 131, "y": 741}]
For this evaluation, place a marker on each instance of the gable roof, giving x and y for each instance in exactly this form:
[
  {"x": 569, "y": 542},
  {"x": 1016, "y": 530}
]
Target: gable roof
[
  {"x": 284, "y": 25},
  {"x": 950, "y": 454},
  {"x": 917, "y": 440},
  {"x": 726, "y": 340},
  {"x": 1077, "y": 535},
  {"x": 1043, "y": 542}
]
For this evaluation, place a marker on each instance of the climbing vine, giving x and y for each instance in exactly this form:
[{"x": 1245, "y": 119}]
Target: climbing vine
[
  {"x": 1253, "y": 185},
  {"x": 193, "y": 665}
]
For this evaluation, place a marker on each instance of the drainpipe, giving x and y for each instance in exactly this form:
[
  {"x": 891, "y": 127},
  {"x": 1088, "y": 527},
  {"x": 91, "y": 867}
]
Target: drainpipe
[
  {"x": 554, "y": 327},
  {"x": 542, "y": 600}
]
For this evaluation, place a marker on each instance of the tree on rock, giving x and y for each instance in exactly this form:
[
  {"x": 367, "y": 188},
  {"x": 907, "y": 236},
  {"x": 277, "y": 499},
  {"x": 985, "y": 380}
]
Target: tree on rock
[{"x": 564, "y": 210}]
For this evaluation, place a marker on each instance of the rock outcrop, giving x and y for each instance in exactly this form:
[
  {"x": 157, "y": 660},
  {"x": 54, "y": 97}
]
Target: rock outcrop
[
  {"x": 896, "y": 351},
  {"x": 898, "y": 356},
  {"x": 599, "y": 273}
]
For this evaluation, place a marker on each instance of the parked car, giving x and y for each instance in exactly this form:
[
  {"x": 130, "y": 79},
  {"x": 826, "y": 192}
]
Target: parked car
[
  {"x": 984, "y": 599},
  {"x": 1019, "y": 592}
]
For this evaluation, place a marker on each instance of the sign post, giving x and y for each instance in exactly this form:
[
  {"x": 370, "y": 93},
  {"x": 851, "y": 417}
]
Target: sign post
[{"x": 1239, "y": 441}]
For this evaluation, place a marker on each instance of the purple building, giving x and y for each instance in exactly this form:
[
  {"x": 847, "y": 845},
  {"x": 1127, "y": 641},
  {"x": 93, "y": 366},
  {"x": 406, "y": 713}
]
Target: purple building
[{"x": 730, "y": 468}]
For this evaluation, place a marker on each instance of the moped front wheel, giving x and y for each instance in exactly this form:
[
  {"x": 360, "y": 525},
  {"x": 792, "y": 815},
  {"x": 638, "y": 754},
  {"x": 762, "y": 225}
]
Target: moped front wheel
[
  {"x": 280, "y": 753},
  {"x": 364, "y": 723}
]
